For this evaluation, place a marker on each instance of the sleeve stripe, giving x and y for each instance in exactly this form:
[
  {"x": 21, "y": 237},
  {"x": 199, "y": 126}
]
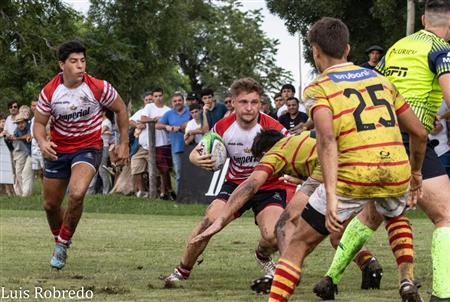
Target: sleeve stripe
[
  {"x": 265, "y": 168},
  {"x": 404, "y": 107},
  {"x": 313, "y": 109}
]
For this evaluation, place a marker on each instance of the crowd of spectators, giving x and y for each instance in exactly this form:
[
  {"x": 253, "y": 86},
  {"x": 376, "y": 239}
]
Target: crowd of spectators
[{"x": 181, "y": 124}]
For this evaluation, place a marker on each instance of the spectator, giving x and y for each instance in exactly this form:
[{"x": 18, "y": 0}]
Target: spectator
[
  {"x": 37, "y": 160},
  {"x": 292, "y": 117},
  {"x": 193, "y": 131},
  {"x": 6, "y": 168},
  {"x": 375, "y": 53},
  {"x": 174, "y": 122},
  {"x": 148, "y": 97},
  {"x": 265, "y": 104},
  {"x": 279, "y": 102},
  {"x": 192, "y": 98},
  {"x": 153, "y": 112},
  {"x": 22, "y": 156},
  {"x": 228, "y": 104},
  {"x": 440, "y": 134},
  {"x": 287, "y": 91},
  {"x": 212, "y": 111},
  {"x": 103, "y": 169},
  {"x": 10, "y": 126}
]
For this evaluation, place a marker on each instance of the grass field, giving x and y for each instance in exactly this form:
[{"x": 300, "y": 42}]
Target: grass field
[{"x": 123, "y": 245}]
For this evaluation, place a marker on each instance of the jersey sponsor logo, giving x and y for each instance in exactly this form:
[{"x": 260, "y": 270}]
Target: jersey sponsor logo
[
  {"x": 75, "y": 115},
  {"x": 395, "y": 70},
  {"x": 244, "y": 159},
  {"x": 403, "y": 51},
  {"x": 351, "y": 75}
]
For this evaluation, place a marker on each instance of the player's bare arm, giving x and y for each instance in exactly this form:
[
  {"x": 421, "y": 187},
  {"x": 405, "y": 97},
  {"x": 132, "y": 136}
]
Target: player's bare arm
[
  {"x": 118, "y": 107},
  {"x": 409, "y": 122},
  {"x": 244, "y": 192},
  {"x": 327, "y": 151},
  {"x": 40, "y": 134}
]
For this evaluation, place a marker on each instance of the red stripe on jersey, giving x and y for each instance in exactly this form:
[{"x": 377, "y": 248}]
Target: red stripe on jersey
[
  {"x": 376, "y": 184},
  {"x": 285, "y": 143},
  {"x": 295, "y": 155},
  {"x": 342, "y": 133},
  {"x": 77, "y": 129},
  {"x": 309, "y": 157},
  {"x": 264, "y": 167},
  {"x": 364, "y": 164},
  {"x": 404, "y": 107},
  {"x": 316, "y": 83},
  {"x": 268, "y": 122},
  {"x": 278, "y": 155},
  {"x": 343, "y": 112},
  {"x": 372, "y": 146},
  {"x": 314, "y": 109},
  {"x": 222, "y": 125}
]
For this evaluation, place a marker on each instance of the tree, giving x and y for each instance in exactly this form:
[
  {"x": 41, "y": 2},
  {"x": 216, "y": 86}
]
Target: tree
[
  {"x": 380, "y": 22},
  {"x": 226, "y": 43},
  {"x": 30, "y": 32}
]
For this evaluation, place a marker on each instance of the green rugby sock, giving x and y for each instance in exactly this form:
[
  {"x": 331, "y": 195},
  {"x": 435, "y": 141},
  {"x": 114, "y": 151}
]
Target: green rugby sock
[
  {"x": 354, "y": 237},
  {"x": 440, "y": 253}
]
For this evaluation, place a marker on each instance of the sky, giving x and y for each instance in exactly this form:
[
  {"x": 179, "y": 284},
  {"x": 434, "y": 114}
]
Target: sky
[{"x": 288, "y": 48}]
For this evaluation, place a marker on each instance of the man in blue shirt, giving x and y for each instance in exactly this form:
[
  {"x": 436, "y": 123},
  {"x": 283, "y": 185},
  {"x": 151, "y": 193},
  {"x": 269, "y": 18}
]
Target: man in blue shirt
[
  {"x": 212, "y": 111},
  {"x": 174, "y": 122}
]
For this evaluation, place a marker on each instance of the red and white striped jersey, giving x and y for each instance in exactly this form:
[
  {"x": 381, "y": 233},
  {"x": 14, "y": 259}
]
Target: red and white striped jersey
[
  {"x": 76, "y": 113},
  {"x": 238, "y": 142}
]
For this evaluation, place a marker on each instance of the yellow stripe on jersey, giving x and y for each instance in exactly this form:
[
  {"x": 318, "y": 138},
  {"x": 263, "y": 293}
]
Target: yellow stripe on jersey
[
  {"x": 294, "y": 155},
  {"x": 372, "y": 160}
]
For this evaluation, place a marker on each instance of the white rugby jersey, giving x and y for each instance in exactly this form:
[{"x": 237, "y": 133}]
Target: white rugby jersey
[
  {"x": 238, "y": 142},
  {"x": 76, "y": 112}
]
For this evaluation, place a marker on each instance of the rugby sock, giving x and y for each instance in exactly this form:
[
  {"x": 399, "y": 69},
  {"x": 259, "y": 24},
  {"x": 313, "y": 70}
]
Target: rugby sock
[
  {"x": 183, "y": 271},
  {"x": 65, "y": 234},
  {"x": 286, "y": 277},
  {"x": 355, "y": 236},
  {"x": 401, "y": 241},
  {"x": 55, "y": 233},
  {"x": 440, "y": 253},
  {"x": 362, "y": 258}
]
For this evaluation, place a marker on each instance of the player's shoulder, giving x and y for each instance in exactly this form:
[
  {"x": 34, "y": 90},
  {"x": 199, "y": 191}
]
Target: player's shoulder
[
  {"x": 266, "y": 121},
  {"x": 224, "y": 124},
  {"x": 95, "y": 85},
  {"x": 51, "y": 86}
]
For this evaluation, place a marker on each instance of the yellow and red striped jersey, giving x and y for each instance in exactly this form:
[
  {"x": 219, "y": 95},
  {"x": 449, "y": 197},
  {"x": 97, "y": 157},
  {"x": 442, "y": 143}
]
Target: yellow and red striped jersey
[
  {"x": 293, "y": 155},
  {"x": 372, "y": 161}
]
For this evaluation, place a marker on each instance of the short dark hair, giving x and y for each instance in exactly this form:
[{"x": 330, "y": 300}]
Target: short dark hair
[
  {"x": 10, "y": 103},
  {"x": 293, "y": 98},
  {"x": 246, "y": 85},
  {"x": 178, "y": 94},
  {"x": 331, "y": 35},
  {"x": 288, "y": 86},
  {"x": 147, "y": 93},
  {"x": 68, "y": 48},
  {"x": 277, "y": 95},
  {"x": 2, "y": 116},
  {"x": 195, "y": 106},
  {"x": 206, "y": 91},
  {"x": 264, "y": 141},
  {"x": 158, "y": 89},
  {"x": 442, "y": 6}
]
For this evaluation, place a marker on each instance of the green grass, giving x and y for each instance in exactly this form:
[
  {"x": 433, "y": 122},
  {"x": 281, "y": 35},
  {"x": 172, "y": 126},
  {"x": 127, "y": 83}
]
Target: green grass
[{"x": 123, "y": 245}]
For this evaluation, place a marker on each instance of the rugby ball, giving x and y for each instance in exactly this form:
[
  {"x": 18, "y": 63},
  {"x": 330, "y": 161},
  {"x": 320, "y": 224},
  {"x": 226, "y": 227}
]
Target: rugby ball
[{"x": 213, "y": 144}]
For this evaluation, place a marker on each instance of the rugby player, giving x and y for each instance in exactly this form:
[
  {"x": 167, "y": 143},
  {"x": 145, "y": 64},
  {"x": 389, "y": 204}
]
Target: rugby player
[
  {"x": 296, "y": 156},
  {"x": 357, "y": 114},
  {"x": 419, "y": 66},
  {"x": 238, "y": 131},
  {"x": 73, "y": 100}
]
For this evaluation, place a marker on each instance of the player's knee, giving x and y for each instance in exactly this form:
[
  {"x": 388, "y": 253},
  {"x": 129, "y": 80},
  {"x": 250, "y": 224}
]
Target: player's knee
[
  {"x": 50, "y": 207},
  {"x": 76, "y": 195},
  {"x": 441, "y": 220}
]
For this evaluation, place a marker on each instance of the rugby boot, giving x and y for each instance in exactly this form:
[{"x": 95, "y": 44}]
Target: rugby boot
[
  {"x": 325, "y": 289},
  {"x": 174, "y": 279},
  {"x": 371, "y": 275},
  {"x": 409, "y": 292},
  {"x": 59, "y": 256},
  {"x": 262, "y": 285}
]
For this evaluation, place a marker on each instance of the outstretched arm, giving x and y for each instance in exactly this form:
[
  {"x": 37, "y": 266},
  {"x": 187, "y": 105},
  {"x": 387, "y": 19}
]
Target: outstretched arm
[{"x": 243, "y": 193}]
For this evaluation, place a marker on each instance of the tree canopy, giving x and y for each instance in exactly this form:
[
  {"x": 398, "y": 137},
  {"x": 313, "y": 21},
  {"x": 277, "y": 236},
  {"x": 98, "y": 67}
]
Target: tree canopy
[
  {"x": 380, "y": 22},
  {"x": 137, "y": 45}
]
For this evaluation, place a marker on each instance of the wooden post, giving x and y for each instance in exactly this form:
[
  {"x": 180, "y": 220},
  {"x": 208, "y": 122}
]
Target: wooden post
[
  {"x": 410, "y": 17},
  {"x": 152, "y": 174}
]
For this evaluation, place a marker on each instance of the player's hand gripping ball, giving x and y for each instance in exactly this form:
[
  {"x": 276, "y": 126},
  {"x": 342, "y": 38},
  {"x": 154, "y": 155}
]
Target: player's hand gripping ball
[{"x": 213, "y": 144}]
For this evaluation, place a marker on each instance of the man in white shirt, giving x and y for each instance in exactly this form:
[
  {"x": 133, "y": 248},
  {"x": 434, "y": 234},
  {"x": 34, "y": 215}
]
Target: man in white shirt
[{"x": 193, "y": 131}]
